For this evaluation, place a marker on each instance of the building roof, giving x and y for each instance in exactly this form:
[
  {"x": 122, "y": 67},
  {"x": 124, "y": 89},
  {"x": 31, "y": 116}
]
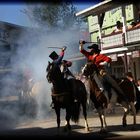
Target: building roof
[
  {"x": 10, "y": 25},
  {"x": 102, "y": 7}
]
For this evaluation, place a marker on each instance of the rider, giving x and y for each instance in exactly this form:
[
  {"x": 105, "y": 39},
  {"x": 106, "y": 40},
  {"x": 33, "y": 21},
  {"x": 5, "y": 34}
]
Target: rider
[
  {"x": 102, "y": 62},
  {"x": 63, "y": 64},
  {"x": 57, "y": 58},
  {"x": 64, "y": 69}
]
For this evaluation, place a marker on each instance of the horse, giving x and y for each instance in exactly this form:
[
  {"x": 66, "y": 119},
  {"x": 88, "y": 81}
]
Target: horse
[
  {"x": 68, "y": 94},
  {"x": 89, "y": 70},
  {"x": 96, "y": 96}
]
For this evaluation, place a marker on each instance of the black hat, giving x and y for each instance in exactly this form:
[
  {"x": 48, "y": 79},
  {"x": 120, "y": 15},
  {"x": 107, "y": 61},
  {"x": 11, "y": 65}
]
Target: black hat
[
  {"x": 94, "y": 47},
  {"x": 53, "y": 55}
]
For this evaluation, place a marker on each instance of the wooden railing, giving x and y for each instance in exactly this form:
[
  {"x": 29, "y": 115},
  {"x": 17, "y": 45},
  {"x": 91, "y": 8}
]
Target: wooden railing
[
  {"x": 120, "y": 39},
  {"x": 133, "y": 35},
  {"x": 112, "y": 41}
]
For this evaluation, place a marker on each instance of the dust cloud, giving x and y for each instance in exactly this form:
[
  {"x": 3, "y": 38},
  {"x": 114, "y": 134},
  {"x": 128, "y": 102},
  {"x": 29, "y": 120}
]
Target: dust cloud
[{"x": 32, "y": 56}]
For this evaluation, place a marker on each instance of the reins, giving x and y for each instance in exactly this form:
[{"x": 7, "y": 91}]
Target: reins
[{"x": 61, "y": 94}]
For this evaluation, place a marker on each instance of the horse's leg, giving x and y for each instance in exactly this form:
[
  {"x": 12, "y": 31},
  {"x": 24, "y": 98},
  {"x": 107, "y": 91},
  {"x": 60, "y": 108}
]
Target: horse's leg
[
  {"x": 126, "y": 111},
  {"x": 134, "y": 113},
  {"x": 112, "y": 102},
  {"x": 57, "y": 111},
  {"x": 68, "y": 117},
  {"x": 85, "y": 115},
  {"x": 101, "y": 113}
]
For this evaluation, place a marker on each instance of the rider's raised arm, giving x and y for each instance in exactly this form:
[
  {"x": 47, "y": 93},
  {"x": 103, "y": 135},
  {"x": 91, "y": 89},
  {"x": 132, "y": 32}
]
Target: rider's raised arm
[
  {"x": 82, "y": 50},
  {"x": 60, "y": 57}
]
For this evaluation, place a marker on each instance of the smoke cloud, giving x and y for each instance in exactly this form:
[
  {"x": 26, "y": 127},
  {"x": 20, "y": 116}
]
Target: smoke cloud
[{"x": 32, "y": 54}]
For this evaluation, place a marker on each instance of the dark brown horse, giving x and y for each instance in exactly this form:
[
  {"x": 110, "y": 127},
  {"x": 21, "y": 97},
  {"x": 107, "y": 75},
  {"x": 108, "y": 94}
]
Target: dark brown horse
[
  {"x": 96, "y": 95},
  {"x": 68, "y": 94},
  {"x": 89, "y": 70}
]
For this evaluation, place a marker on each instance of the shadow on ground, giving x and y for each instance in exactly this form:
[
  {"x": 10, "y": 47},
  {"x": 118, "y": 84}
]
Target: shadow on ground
[{"x": 94, "y": 132}]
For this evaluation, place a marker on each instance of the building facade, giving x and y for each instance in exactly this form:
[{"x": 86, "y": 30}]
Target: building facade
[
  {"x": 123, "y": 47},
  {"x": 10, "y": 42}
]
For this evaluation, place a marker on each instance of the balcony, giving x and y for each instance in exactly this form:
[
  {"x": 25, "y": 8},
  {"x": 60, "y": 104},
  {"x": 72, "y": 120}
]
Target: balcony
[
  {"x": 112, "y": 41},
  {"x": 117, "y": 40},
  {"x": 133, "y": 36}
]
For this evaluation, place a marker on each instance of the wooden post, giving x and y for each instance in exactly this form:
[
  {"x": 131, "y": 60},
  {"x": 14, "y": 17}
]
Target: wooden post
[{"x": 124, "y": 36}]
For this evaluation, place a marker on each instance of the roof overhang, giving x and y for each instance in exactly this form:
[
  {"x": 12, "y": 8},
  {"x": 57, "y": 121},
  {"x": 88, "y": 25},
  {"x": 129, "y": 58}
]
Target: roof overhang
[
  {"x": 114, "y": 50},
  {"x": 102, "y": 7},
  {"x": 127, "y": 48}
]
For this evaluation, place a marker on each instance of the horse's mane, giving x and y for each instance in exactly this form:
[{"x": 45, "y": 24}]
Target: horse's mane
[{"x": 57, "y": 76}]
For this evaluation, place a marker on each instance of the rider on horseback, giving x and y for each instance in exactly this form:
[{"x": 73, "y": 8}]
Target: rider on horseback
[
  {"x": 64, "y": 69},
  {"x": 62, "y": 64},
  {"x": 102, "y": 62}
]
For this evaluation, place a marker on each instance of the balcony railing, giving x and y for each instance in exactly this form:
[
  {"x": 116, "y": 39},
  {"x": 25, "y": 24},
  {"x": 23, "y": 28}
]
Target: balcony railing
[
  {"x": 133, "y": 35},
  {"x": 110, "y": 41},
  {"x": 115, "y": 40}
]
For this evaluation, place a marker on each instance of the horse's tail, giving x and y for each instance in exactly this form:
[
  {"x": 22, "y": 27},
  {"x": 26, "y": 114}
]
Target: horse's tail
[
  {"x": 80, "y": 97},
  {"x": 75, "y": 113}
]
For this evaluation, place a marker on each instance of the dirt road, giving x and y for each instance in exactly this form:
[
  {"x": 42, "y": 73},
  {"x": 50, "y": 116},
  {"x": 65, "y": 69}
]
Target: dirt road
[{"x": 47, "y": 128}]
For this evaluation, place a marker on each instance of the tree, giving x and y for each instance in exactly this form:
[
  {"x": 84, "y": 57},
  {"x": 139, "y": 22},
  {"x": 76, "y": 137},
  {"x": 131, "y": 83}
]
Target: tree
[{"x": 60, "y": 15}]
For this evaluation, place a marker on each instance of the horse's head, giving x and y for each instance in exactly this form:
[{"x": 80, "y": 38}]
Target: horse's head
[
  {"x": 53, "y": 72},
  {"x": 88, "y": 69}
]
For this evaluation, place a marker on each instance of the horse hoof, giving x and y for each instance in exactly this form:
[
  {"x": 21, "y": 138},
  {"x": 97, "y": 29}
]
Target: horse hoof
[
  {"x": 124, "y": 123},
  {"x": 67, "y": 128},
  {"x": 133, "y": 128},
  {"x": 87, "y": 129},
  {"x": 103, "y": 131}
]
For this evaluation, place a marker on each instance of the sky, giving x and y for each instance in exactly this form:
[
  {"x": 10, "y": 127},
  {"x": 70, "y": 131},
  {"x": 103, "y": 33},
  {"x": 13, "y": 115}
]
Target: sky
[{"x": 12, "y": 12}]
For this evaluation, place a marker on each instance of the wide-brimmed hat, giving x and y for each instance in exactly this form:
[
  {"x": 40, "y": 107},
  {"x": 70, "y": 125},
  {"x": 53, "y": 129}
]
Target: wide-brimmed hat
[
  {"x": 95, "y": 47},
  {"x": 53, "y": 55}
]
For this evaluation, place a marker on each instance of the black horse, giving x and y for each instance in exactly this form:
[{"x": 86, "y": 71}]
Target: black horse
[
  {"x": 68, "y": 94},
  {"x": 89, "y": 70}
]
